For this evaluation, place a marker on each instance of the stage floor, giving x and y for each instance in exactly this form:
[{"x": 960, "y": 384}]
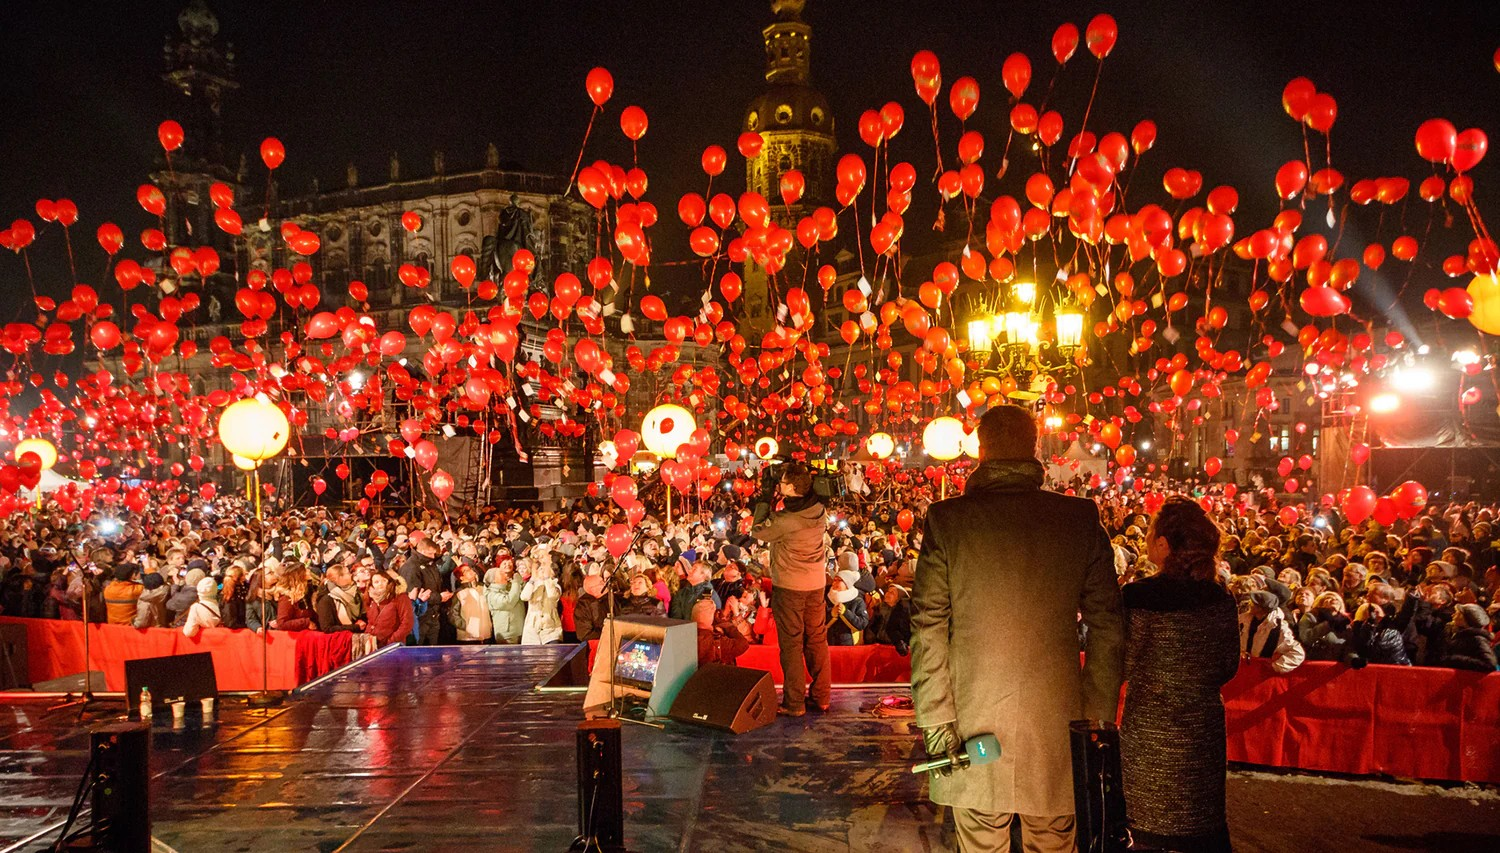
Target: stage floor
[{"x": 451, "y": 748}]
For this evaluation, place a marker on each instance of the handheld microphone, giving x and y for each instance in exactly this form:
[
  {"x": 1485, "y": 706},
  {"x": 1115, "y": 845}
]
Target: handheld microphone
[{"x": 979, "y": 749}]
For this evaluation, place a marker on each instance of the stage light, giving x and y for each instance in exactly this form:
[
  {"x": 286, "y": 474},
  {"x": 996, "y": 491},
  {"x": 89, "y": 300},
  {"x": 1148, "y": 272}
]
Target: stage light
[
  {"x": 108, "y": 527},
  {"x": 356, "y": 380},
  {"x": 1465, "y": 357},
  {"x": 1384, "y": 404},
  {"x": 1146, "y": 444},
  {"x": 1412, "y": 379}
]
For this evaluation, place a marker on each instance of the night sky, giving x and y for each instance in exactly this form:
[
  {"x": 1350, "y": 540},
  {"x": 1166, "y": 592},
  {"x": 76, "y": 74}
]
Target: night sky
[{"x": 341, "y": 82}]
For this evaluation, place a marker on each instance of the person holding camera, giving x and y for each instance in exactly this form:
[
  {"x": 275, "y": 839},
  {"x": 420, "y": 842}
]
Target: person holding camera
[{"x": 799, "y": 561}]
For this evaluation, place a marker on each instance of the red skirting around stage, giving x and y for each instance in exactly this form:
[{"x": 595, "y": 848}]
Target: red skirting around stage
[
  {"x": 1411, "y": 722},
  {"x": 55, "y": 649}
]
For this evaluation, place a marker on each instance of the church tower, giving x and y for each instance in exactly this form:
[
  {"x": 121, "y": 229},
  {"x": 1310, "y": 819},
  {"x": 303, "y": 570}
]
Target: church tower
[
  {"x": 794, "y": 120},
  {"x": 200, "y": 71}
]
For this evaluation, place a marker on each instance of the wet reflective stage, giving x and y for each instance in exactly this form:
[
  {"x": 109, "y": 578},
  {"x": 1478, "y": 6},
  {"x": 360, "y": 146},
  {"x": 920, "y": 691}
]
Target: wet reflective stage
[{"x": 453, "y": 749}]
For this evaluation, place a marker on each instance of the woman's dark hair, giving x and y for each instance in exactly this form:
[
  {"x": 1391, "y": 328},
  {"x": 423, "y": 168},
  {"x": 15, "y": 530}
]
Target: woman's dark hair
[{"x": 1192, "y": 536}]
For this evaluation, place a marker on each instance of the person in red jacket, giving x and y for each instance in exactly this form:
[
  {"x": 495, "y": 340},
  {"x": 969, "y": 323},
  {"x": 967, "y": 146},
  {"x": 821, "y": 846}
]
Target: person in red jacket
[{"x": 388, "y": 613}]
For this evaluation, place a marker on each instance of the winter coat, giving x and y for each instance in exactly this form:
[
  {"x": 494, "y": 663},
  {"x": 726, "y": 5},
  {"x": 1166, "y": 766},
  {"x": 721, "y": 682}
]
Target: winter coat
[
  {"x": 205, "y": 611},
  {"x": 1273, "y": 639},
  {"x": 294, "y": 615},
  {"x": 1003, "y": 573},
  {"x": 542, "y": 622},
  {"x": 1183, "y": 647},
  {"x": 1470, "y": 648},
  {"x": 855, "y": 617},
  {"x": 589, "y": 613},
  {"x": 151, "y": 609},
  {"x": 891, "y": 626},
  {"x": 326, "y": 612},
  {"x": 799, "y": 560},
  {"x": 507, "y": 611},
  {"x": 120, "y": 601},
  {"x": 389, "y": 621},
  {"x": 1379, "y": 643},
  {"x": 470, "y": 612},
  {"x": 686, "y": 596},
  {"x": 1324, "y": 639},
  {"x": 183, "y": 596},
  {"x": 721, "y": 644}
]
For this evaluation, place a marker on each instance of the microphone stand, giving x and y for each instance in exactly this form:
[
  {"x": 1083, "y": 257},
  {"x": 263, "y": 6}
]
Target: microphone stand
[{"x": 86, "y": 696}]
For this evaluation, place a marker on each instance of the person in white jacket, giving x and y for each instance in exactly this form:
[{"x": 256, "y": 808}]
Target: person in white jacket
[
  {"x": 203, "y": 613},
  {"x": 469, "y": 609},
  {"x": 1266, "y": 633},
  {"x": 541, "y": 594}
]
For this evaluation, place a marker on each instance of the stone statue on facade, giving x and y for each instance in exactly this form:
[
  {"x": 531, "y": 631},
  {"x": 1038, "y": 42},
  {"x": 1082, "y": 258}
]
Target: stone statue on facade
[{"x": 512, "y": 234}]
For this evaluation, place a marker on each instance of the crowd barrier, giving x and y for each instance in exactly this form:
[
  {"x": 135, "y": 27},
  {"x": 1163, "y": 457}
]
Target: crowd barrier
[
  {"x": 54, "y": 649},
  {"x": 1409, "y": 722}
]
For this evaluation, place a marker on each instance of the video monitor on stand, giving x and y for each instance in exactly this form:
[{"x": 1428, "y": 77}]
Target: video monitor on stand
[{"x": 643, "y": 660}]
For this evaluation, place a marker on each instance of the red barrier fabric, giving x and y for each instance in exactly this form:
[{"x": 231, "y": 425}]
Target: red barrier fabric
[{"x": 55, "y": 650}]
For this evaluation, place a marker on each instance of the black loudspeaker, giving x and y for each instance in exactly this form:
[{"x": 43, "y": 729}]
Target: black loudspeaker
[
  {"x": 172, "y": 678},
  {"x": 122, "y": 787},
  {"x": 601, "y": 800},
  {"x": 732, "y": 698},
  {"x": 1098, "y": 792},
  {"x": 14, "y": 672}
]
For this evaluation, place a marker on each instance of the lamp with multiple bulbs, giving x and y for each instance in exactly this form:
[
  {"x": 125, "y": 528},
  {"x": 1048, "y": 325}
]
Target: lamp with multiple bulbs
[{"x": 1012, "y": 338}]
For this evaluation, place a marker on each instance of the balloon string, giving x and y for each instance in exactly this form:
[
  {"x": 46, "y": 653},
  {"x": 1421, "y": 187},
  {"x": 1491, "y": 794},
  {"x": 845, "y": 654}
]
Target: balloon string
[
  {"x": 579, "y": 162},
  {"x": 68, "y": 239},
  {"x": 1087, "y": 110}
]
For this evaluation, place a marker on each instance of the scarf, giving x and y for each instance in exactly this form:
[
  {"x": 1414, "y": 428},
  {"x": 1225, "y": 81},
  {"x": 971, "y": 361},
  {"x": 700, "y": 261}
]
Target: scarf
[
  {"x": 346, "y": 602},
  {"x": 1009, "y": 475}
]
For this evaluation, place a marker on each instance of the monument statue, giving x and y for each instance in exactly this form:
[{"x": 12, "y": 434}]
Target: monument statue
[{"x": 513, "y": 233}]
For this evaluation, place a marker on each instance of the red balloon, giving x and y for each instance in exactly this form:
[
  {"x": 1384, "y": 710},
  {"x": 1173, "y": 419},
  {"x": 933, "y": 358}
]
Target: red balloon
[
  {"x": 633, "y": 122},
  {"x": 1016, "y": 72},
  {"x": 1064, "y": 43},
  {"x": 441, "y": 484},
  {"x": 905, "y": 519},
  {"x": 1100, "y": 35},
  {"x": 1436, "y": 140},
  {"x": 617, "y": 540},
  {"x": 1359, "y": 504},
  {"x": 1469, "y": 149},
  {"x": 600, "y": 85},
  {"x": 272, "y": 152},
  {"x": 169, "y": 133}
]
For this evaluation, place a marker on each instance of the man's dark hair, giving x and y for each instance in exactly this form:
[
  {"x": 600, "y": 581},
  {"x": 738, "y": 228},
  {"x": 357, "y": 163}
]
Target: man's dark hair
[
  {"x": 1007, "y": 432},
  {"x": 798, "y": 476}
]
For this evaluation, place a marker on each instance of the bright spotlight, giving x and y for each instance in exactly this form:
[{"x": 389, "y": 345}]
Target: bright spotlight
[
  {"x": 1384, "y": 404},
  {"x": 1465, "y": 357},
  {"x": 1146, "y": 444},
  {"x": 356, "y": 380},
  {"x": 1412, "y": 379}
]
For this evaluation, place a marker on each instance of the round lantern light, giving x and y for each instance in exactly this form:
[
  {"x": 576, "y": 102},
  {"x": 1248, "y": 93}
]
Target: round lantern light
[
  {"x": 970, "y": 444},
  {"x": 880, "y": 445},
  {"x": 42, "y": 448},
  {"x": 254, "y": 428},
  {"x": 666, "y": 428},
  {"x": 943, "y": 438},
  {"x": 244, "y": 464},
  {"x": 766, "y": 447}
]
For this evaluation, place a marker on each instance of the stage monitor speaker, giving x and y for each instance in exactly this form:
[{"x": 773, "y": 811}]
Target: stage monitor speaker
[
  {"x": 732, "y": 698},
  {"x": 601, "y": 797},
  {"x": 172, "y": 678},
  {"x": 1098, "y": 792},
  {"x": 13, "y": 662},
  {"x": 121, "y": 818}
]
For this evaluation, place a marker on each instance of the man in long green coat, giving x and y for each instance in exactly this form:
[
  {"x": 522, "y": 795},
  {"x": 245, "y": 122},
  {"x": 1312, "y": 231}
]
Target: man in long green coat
[{"x": 1004, "y": 572}]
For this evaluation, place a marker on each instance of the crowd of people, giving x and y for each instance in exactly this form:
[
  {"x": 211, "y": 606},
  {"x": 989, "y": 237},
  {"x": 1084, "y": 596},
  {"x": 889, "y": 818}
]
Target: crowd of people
[{"x": 1425, "y": 592}]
